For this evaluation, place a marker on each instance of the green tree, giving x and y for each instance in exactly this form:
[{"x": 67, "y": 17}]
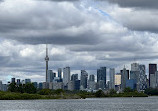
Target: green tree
[
  {"x": 112, "y": 92},
  {"x": 127, "y": 89},
  {"x": 20, "y": 88},
  {"x": 29, "y": 88},
  {"x": 45, "y": 92},
  {"x": 12, "y": 87},
  {"x": 99, "y": 93}
]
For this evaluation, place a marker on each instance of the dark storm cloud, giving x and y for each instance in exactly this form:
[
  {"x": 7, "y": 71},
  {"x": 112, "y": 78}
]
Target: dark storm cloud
[
  {"x": 129, "y": 58},
  {"x": 136, "y": 3}
]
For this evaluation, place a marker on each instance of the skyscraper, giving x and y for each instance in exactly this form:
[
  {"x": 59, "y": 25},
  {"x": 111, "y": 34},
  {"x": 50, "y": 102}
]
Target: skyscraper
[
  {"x": 13, "y": 80},
  {"x": 84, "y": 79},
  {"x": 124, "y": 78},
  {"x": 50, "y": 76},
  {"x": 112, "y": 78},
  {"x": 134, "y": 67},
  {"x": 46, "y": 59},
  {"x": 152, "y": 70},
  {"x": 74, "y": 77},
  {"x": 66, "y": 75},
  {"x": 91, "y": 83},
  {"x": 1, "y": 86},
  {"x": 59, "y": 73},
  {"x": 142, "y": 78},
  {"x": 91, "y": 78},
  {"x": 101, "y": 76}
]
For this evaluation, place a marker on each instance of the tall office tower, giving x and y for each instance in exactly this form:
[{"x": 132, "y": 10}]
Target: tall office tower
[
  {"x": 91, "y": 83},
  {"x": 59, "y": 73},
  {"x": 74, "y": 77},
  {"x": 112, "y": 78},
  {"x": 18, "y": 82},
  {"x": 35, "y": 84},
  {"x": 84, "y": 78},
  {"x": 152, "y": 70},
  {"x": 118, "y": 79},
  {"x": 66, "y": 75},
  {"x": 142, "y": 78},
  {"x": 101, "y": 76},
  {"x": 46, "y": 59},
  {"x": 13, "y": 80},
  {"x": 156, "y": 77},
  {"x": 135, "y": 67},
  {"x": 76, "y": 82},
  {"x": 134, "y": 75},
  {"x": 50, "y": 76},
  {"x": 1, "y": 86},
  {"x": 91, "y": 78},
  {"x": 124, "y": 78},
  {"x": 27, "y": 81}
]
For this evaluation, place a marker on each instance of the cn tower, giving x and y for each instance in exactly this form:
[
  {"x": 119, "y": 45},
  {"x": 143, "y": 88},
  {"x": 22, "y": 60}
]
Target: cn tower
[{"x": 46, "y": 59}]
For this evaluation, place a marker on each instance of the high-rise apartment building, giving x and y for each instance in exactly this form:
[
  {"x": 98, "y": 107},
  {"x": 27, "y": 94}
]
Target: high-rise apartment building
[
  {"x": 66, "y": 75},
  {"x": 152, "y": 70},
  {"x": 112, "y": 78},
  {"x": 101, "y": 76},
  {"x": 124, "y": 78},
  {"x": 84, "y": 79}
]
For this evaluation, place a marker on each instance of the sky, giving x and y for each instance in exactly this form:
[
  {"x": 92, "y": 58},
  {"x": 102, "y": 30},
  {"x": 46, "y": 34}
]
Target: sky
[{"x": 82, "y": 34}]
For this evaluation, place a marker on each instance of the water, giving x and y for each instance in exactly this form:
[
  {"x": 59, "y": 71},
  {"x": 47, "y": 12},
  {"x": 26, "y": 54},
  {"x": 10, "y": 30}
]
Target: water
[{"x": 93, "y": 104}]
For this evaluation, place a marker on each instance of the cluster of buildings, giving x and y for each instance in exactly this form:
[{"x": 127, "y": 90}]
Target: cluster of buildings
[{"x": 136, "y": 79}]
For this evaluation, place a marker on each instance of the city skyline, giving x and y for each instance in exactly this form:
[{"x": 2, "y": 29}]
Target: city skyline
[{"x": 81, "y": 34}]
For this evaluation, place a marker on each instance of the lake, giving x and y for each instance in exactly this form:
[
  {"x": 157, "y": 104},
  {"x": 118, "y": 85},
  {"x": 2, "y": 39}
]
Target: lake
[{"x": 90, "y": 104}]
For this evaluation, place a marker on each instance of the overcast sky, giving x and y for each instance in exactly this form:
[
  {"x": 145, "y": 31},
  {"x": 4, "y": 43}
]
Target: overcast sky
[{"x": 82, "y": 34}]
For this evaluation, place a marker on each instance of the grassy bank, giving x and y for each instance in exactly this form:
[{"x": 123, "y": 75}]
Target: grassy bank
[
  {"x": 65, "y": 95},
  {"x": 26, "y": 96}
]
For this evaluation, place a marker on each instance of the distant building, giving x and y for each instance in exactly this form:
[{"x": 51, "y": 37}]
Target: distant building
[
  {"x": 152, "y": 70},
  {"x": 101, "y": 76},
  {"x": 91, "y": 78},
  {"x": 13, "y": 80},
  {"x": 18, "y": 82},
  {"x": 51, "y": 85},
  {"x": 71, "y": 85},
  {"x": 77, "y": 85},
  {"x": 91, "y": 83},
  {"x": 27, "y": 81},
  {"x": 135, "y": 75},
  {"x": 45, "y": 85},
  {"x": 5, "y": 87},
  {"x": 124, "y": 78},
  {"x": 35, "y": 84},
  {"x": 66, "y": 75},
  {"x": 84, "y": 79},
  {"x": 112, "y": 78},
  {"x": 118, "y": 79},
  {"x": 58, "y": 85},
  {"x": 135, "y": 67},
  {"x": 142, "y": 78},
  {"x": 60, "y": 73},
  {"x": 156, "y": 77},
  {"x": 74, "y": 77},
  {"x": 40, "y": 85},
  {"x": 131, "y": 83},
  {"x": 101, "y": 85},
  {"x": 50, "y": 76},
  {"x": 1, "y": 86}
]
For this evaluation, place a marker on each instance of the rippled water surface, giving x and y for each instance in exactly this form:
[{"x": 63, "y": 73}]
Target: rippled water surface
[{"x": 103, "y": 104}]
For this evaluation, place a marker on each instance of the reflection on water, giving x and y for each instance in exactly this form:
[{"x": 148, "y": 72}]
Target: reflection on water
[{"x": 93, "y": 104}]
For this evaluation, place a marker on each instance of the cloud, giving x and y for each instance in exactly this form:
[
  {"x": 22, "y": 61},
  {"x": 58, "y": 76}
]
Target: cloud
[
  {"x": 82, "y": 35},
  {"x": 136, "y": 3}
]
